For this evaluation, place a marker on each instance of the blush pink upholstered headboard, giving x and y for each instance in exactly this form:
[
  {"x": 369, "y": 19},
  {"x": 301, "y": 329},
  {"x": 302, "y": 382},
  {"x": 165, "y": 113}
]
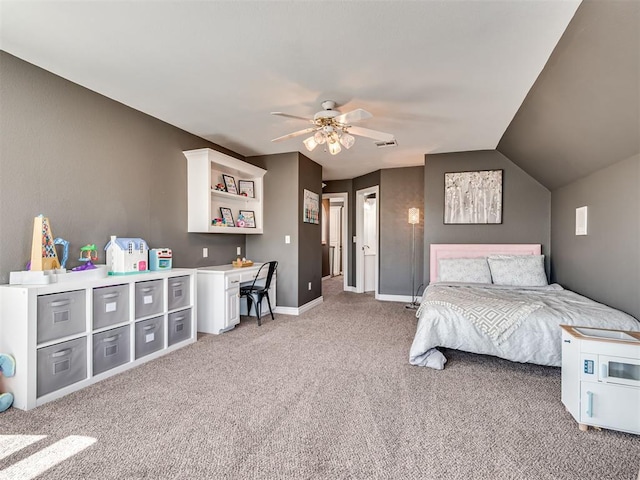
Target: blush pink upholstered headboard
[{"x": 448, "y": 250}]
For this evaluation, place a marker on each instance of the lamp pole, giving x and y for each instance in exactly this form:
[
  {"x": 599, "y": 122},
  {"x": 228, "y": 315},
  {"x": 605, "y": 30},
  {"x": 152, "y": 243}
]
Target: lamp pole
[{"x": 414, "y": 218}]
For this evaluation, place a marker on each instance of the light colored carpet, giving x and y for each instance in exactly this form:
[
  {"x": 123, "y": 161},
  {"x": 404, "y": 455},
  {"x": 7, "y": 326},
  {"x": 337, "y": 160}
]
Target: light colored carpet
[{"x": 326, "y": 395}]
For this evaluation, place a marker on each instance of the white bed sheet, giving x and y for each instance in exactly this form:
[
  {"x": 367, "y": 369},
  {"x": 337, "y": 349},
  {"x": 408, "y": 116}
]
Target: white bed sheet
[{"x": 536, "y": 339}]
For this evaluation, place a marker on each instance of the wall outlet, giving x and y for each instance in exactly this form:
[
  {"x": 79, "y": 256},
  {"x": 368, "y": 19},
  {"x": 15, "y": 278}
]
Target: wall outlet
[
  {"x": 239, "y": 250},
  {"x": 287, "y": 239},
  {"x": 309, "y": 285},
  {"x": 205, "y": 252}
]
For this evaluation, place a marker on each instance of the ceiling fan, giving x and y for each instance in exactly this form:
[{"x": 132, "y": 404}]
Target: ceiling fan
[{"x": 334, "y": 129}]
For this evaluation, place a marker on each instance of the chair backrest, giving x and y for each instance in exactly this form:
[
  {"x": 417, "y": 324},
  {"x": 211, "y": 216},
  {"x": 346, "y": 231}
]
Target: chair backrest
[{"x": 272, "y": 268}]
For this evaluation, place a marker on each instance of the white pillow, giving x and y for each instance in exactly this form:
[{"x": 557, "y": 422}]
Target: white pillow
[
  {"x": 518, "y": 270},
  {"x": 467, "y": 270}
]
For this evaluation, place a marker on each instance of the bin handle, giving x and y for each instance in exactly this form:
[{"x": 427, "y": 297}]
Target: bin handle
[
  {"x": 112, "y": 338},
  {"x": 111, "y": 295},
  {"x": 61, "y": 353},
  {"x": 60, "y": 303},
  {"x": 176, "y": 284},
  {"x": 148, "y": 289},
  {"x": 177, "y": 319},
  {"x": 149, "y": 327}
]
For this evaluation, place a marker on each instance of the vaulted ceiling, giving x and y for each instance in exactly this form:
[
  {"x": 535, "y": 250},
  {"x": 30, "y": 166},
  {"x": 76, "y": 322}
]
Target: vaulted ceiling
[{"x": 441, "y": 76}]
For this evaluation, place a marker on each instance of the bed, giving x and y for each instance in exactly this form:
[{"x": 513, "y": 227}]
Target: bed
[{"x": 495, "y": 300}]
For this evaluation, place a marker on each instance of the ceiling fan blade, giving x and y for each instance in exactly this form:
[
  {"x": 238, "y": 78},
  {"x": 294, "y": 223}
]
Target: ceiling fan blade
[
  {"x": 291, "y": 116},
  {"x": 353, "y": 116},
  {"x": 295, "y": 134},
  {"x": 366, "y": 132}
]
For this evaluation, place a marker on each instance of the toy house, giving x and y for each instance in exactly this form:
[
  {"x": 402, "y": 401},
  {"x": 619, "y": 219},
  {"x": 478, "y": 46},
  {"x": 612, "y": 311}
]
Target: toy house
[{"x": 126, "y": 255}]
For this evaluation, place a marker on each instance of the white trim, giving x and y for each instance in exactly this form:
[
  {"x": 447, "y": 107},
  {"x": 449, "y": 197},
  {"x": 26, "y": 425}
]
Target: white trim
[
  {"x": 327, "y": 277},
  {"x": 384, "y": 297},
  {"x": 349, "y": 288},
  {"x": 360, "y": 194},
  {"x": 346, "y": 243},
  {"x": 299, "y": 310}
]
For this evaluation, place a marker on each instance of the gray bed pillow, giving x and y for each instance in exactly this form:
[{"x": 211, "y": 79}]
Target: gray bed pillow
[
  {"x": 518, "y": 270},
  {"x": 467, "y": 270}
]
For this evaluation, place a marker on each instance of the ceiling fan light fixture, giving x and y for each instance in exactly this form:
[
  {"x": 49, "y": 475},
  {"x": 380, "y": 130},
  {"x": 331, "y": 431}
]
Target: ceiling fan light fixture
[
  {"x": 347, "y": 140},
  {"x": 310, "y": 143},
  {"x": 334, "y": 148},
  {"x": 319, "y": 137}
]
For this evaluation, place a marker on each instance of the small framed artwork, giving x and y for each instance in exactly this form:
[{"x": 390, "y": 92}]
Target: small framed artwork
[
  {"x": 473, "y": 197},
  {"x": 311, "y": 207},
  {"x": 246, "y": 188},
  {"x": 229, "y": 183},
  {"x": 227, "y": 216},
  {"x": 249, "y": 218}
]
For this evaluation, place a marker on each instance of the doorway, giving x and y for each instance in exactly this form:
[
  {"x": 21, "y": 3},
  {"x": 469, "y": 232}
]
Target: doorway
[
  {"x": 337, "y": 238},
  {"x": 367, "y": 240}
]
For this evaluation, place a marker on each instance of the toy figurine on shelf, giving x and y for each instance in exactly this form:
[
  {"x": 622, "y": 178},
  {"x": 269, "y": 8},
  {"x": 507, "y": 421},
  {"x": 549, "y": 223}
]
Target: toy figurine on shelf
[
  {"x": 220, "y": 187},
  {"x": 88, "y": 253},
  {"x": 218, "y": 222},
  {"x": 240, "y": 222}
]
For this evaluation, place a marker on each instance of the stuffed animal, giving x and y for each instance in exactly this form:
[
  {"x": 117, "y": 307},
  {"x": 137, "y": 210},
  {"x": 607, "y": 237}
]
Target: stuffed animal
[{"x": 7, "y": 369}]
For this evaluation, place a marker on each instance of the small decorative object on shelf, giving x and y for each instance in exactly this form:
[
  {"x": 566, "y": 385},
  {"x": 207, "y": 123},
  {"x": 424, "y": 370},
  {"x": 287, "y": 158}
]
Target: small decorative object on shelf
[
  {"x": 240, "y": 222},
  {"x": 88, "y": 253},
  {"x": 220, "y": 187}
]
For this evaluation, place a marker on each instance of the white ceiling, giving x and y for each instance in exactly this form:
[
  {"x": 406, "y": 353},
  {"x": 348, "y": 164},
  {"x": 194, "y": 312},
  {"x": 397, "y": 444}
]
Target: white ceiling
[{"x": 442, "y": 76}]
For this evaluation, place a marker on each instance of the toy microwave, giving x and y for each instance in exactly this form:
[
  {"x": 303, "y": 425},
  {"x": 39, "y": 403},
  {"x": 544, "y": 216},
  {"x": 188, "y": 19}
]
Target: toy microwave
[{"x": 160, "y": 259}]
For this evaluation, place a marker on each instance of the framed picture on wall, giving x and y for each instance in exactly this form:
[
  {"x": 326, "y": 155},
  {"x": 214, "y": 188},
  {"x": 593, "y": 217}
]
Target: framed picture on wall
[
  {"x": 229, "y": 183},
  {"x": 311, "y": 207},
  {"x": 227, "y": 216},
  {"x": 473, "y": 198}
]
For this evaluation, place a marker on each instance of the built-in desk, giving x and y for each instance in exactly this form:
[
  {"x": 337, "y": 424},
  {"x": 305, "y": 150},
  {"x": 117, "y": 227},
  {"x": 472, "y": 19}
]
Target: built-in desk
[{"x": 218, "y": 295}]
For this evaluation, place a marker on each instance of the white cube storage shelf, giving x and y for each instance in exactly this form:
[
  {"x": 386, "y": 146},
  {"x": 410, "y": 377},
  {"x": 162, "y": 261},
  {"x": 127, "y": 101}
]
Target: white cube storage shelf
[
  {"x": 68, "y": 336},
  {"x": 205, "y": 168}
]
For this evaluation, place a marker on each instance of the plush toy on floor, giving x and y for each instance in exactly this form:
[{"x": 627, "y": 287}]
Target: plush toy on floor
[{"x": 7, "y": 369}]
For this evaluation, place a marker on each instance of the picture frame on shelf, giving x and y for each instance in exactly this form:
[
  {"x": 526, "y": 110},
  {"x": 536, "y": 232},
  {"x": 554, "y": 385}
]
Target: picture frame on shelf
[
  {"x": 230, "y": 184},
  {"x": 245, "y": 188},
  {"x": 227, "y": 216},
  {"x": 249, "y": 218}
]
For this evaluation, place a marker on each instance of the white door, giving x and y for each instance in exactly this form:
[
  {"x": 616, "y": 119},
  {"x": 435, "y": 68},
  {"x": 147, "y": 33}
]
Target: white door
[
  {"x": 335, "y": 238},
  {"x": 370, "y": 241},
  {"x": 366, "y": 240},
  {"x": 232, "y": 307}
]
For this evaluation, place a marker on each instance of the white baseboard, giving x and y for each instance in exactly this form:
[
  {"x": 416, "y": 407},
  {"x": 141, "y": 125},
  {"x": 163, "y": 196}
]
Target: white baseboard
[
  {"x": 350, "y": 289},
  {"x": 396, "y": 298},
  {"x": 299, "y": 310},
  {"x": 327, "y": 277}
]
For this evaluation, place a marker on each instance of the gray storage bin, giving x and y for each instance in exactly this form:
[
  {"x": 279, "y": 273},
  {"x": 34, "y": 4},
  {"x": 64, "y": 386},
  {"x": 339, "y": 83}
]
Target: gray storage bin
[
  {"x": 60, "y": 365},
  {"x": 61, "y": 314},
  {"x": 148, "y": 298},
  {"x": 110, "y": 305},
  {"x": 179, "y": 326},
  {"x": 149, "y": 336},
  {"x": 178, "y": 292},
  {"x": 110, "y": 349}
]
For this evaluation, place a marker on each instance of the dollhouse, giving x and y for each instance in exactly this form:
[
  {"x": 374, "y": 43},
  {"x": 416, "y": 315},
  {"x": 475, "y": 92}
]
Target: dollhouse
[{"x": 126, "y": 255}]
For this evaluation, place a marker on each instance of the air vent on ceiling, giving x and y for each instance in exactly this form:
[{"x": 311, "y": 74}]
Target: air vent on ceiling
[{"x": 391, "y": 143}]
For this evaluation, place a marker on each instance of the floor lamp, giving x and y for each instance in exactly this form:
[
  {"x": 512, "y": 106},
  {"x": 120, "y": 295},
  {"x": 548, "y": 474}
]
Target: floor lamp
[{"x": 414, "y": 218}]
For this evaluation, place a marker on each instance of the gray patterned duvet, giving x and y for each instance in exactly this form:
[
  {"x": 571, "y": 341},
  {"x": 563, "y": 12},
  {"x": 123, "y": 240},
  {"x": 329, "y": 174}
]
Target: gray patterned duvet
[{"x": 516, "y": 323}]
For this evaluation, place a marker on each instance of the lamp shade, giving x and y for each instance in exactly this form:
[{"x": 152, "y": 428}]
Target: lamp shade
[{"x": 414, "y": 216}]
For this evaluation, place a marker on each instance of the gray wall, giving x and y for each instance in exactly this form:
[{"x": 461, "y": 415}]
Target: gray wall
[
  {"x": 400, "y": 189},
  {"x": 526, "y": 204},
  {"x": 96, "y": 168},
  {"x": 605, "y": 264},
  {"x": 582, "y": 114},
  {"x": 310, "y": 245},
  {"x": 299, "y": 262},
  {"x": 280, "y": 219}
]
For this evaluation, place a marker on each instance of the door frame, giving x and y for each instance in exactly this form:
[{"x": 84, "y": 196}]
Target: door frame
[
  {"x": 360, "y": 195},
  {"x": 344, "y": 196}
]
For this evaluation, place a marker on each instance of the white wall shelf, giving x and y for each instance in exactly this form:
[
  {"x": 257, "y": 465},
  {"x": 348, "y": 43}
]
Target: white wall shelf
[{"x": 205, "y": 168}]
